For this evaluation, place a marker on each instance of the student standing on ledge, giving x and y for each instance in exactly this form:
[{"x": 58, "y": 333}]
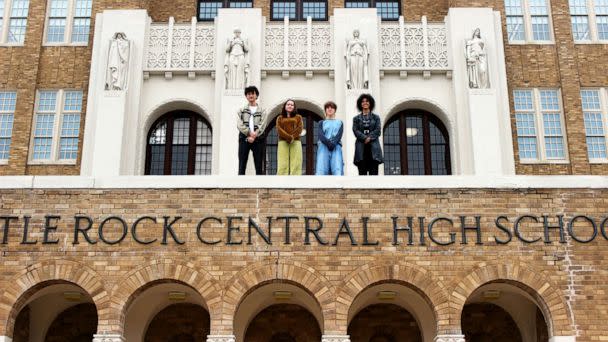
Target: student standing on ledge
[
  {"x": 251, "y": 122},
  {"x": 289, "y": 127},
  {"x": 329, "y": 148},
  {"x": 366, "y": 126}
]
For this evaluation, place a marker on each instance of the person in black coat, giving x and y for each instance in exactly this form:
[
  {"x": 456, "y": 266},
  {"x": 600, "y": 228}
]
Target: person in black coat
[{"x": 366, "y": 126}]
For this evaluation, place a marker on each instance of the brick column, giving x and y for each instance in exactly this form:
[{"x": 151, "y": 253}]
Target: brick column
[
  {"x": 221, "y": 338},
  {"x": 108, "y": 338},
  {"x": 335, "y": 338},
  {"x": 449, "y": 338}
]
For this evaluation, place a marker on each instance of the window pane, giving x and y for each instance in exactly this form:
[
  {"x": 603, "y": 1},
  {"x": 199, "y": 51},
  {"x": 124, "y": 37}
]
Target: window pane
[
  {"x": 240, "y": 4},
  {"x": 203, "y": 134},
  {"x": 580, "y": 27},
  {"x": 554, "y": 147},
  {"x": 527, "y": 148},
  {"x": 415, "y": 145},
  {"x": 515, "y": 28},
  {"x": 552, "y": 124},
  {"x": 538, "y": 7},
  {"x": 73, "y": 101},
  {"x": 596, "y": 147},
  {"x": 83, "y": 8},
  {"x": 1, "y": 10},
  {"x": 314, "y": 9},
  {"x": 46, "y": 101},
  {"x": 540, "y": 28},
  {"x": 6, "y": 132},
  {"x": 59, "y": 9},
  {"x": 578, "y": 7},
  {"x": 157, "y": 160},
  {"x": 68, "y": 148},
  {"x": 159, "y": 135},
  {"x": 525, "y": 124},
  {"x": 20, "y": 8},
  {"x": 392, "y": 149},
  {"x": 44, "y": 125},
  {"x": 179, "y": 160},
  {"x": 181, "y": 130},
  {"x": 356, "y": 4},
  {"x": 282, "y": 9},
  {"x": 42, "y": 148},
  {"x": 208, "y": 9},
  {"x": 8, "y": 101},
  {"x": 523, "y": 100},
  {"x": 70, "y": 125},
  {"x": 16, "y": 30},
  {"x": 590, "y": 99},
  {"x": 601, "y": 7},
  {"x": 602, "y": 27},
  {"x": 513, "y": 7},
  {"x": 55, "y": 30},
  {"x": 549, "y": 100},
  {"x": 203, "y": 160},
  {"x": 80, "y": 31},
  {"x": 388, "y": 10}
]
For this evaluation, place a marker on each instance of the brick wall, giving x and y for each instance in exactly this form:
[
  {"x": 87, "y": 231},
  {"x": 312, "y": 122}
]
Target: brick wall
[{"x": 567, "y": 277}]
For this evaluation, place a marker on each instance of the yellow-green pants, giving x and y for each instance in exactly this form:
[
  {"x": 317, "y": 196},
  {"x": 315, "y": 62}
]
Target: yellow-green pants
[{"x": 289, "y": 158}]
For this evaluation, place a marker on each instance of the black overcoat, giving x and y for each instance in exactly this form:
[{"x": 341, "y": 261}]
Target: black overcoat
[{"x": 374, "y": 135}]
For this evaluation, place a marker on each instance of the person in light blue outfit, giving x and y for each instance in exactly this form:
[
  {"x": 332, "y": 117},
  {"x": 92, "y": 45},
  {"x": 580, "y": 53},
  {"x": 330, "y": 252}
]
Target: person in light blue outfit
[{"x": 329, "y": 148}]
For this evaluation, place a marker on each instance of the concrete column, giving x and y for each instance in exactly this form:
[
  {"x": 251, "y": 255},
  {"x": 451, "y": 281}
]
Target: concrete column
[
  {"x": 552, "y": 339},
  {"x": 108, "y": 338},
  {"x": 449, "y": 338},
  {"x": 221, "y": 338},
  {"x": 112, "y": 116},
  {"x": 345, "y": 20},
  {"x": 5, "y": 339},
  {"x": 228, "y": 101},
  {"x": 483, "y": 122},
  {"x": 335, "y": 338}
]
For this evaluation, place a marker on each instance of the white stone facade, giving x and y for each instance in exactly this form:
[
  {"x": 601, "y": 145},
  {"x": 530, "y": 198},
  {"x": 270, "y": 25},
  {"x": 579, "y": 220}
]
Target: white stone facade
[{"x": 411, "y": 66}]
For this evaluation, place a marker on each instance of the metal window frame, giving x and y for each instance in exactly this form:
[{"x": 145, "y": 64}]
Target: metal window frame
[
  {"x": 6, "y": 18},
  {"x": 5, "y": 161},
  {"x": 372, "y": 4},
  {"x": 528, "y": 33},
  {"x": 69, "y": 26},
  {"x": 300, "y": 10},
  {"x": 225, "y": 4},
  {"x": 603, "y": 97}
]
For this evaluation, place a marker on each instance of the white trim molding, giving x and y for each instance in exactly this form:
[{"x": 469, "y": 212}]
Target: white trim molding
[{"x": 221, "y": 338}]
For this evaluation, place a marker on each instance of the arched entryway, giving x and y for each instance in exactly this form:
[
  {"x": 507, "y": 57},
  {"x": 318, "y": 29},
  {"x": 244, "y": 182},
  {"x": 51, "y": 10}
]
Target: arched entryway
[
  {"x": 278, "y": 312},
  {"x": 179, "y": 143},
  {"x": 166, "y": 310},
  {"x": 503, "y": 312},
  {"x": 391, "y": 312},
  {"x": 57, "y": 311},
  {"x": 309, "y": 143},
  {"x": 416, "y": 142}
]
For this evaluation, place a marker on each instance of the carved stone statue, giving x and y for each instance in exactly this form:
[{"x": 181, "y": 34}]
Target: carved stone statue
[
  {"x": 118, "y": 62},
  {"x": 477, "y": 62},
  {"x": 236, "y": 64},
  {"x": 356, "y": 55}
]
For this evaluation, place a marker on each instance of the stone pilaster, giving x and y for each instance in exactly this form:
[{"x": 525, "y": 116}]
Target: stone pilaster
[
  {"x": 108, "y": 338},
  {"x": 221, "y": 338},
  {"x": 449, "y": 338},
  {"x": 335, "y": 338}
]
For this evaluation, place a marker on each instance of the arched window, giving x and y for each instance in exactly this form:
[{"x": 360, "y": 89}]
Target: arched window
[
  {"x": 416, "y": 143},
  {"x": 309, "y": 144},
  {"x": 179, "y": 143}
]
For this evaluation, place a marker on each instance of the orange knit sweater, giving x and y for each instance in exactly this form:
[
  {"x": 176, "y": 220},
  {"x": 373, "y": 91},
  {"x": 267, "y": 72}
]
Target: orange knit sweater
[{"x": 289, "y": 129}]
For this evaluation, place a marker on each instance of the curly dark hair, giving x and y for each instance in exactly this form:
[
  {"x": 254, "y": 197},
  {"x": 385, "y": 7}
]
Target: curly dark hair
[
  {"x": 295, "y": 108},
  {"x": 369, "y": 98}
]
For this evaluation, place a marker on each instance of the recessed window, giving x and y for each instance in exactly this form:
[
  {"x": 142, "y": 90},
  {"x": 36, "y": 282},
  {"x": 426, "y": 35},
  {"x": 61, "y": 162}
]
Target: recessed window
[
  {"x": 589, "y": 19},
  {"x": 528, "y": 21},
  {"x": 207, "y": 9},
  {"x": 8, "y": 101},
  {"x": 68, "y": 22},
  {"x": 387, "y": 9},
  {"x": 539, "y": 120},
  {"x": 179, "y": 143},
  {"x": 56, "y": 126},
  {"x": 13, "y": 21},
  {"x": 416, "y": 143},
  {"x": 298, "y": 9},
  {"x": 595, "y": 115}
]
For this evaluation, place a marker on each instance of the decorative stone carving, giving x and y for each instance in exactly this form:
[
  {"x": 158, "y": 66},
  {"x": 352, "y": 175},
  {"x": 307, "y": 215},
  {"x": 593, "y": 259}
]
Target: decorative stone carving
[
  {"x": 335, "y": 338},
  {"x": 108, "y": 338},
  {"x": 221, "y": 338},
  {"x": 449, "y": 338},
  {"x": 357, "y": 55},
  {"x": 236, "y": 64},
  {"x": 477, "y": 62},
  {"x": 117, "y": 71}
]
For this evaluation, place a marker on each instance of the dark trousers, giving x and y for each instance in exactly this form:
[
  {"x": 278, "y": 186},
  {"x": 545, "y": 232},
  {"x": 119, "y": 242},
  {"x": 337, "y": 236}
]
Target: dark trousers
[
  {"x": 368, "y": 166},
  {"x": 258, "y": 148}
]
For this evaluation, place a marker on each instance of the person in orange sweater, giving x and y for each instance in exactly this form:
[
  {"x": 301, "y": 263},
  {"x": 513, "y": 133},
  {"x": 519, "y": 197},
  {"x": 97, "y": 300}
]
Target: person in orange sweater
[{"x": 289, "y": 128}]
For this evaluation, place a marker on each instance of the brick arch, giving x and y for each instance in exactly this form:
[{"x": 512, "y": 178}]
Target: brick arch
[
  {"x": 547, "y": 295},
  {"x": 45, "y": 273},
  {"x": 299, "y": 274},
  {"x": 140, "y": 279},
  {"x": 420, "y": 279}
]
